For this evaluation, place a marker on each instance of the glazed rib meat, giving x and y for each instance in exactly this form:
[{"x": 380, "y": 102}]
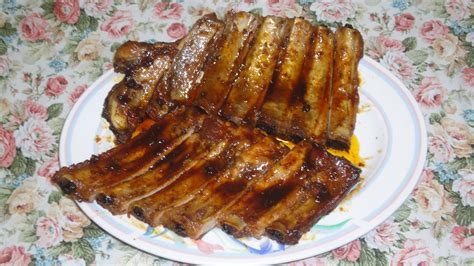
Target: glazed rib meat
[
  {"x": 218, "y": 76},
  {"x": 249, "y": 89},
  {"x": 82, "y": 181},
  {"x": 245, "y": 217},
  {"x": 329, "y": 181},
  {"x": 348, "y": 50},
  {"x": 143, "y": 65},
  {"x": 179, "y": 83},
  {"x": 202, "y": 163},
  {"x": 207, "y": 141},
  {"x": 201, "y": 214},
  {"x": 191, "y": 172},
  {"x": 151, "y": 208},
  {"x": 290, "y": 78}
]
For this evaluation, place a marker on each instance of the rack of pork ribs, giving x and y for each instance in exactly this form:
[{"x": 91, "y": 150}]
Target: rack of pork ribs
[{"x": 205, "y": 162}]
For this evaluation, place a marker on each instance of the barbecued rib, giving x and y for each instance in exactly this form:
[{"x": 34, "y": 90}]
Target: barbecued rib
[
  {"x": 83, "y": 180},
  {"x": 239, "y": 30},
  {"x": 331, "y": 179},
  {"x": 278, "y": 190},
  {"x": 248, "y": 90},
  {"x": 310, "y": 114},
  {"x": 207, "y": 141},
  {"x": 125, "y": 105},
  {"x": 201, "y": 214},
  {"x": 179, "y": 83},
  {"x": 275, "y": 116},
  {"x": 151, "y": 208},
  {"x": 348, "y": 50}
]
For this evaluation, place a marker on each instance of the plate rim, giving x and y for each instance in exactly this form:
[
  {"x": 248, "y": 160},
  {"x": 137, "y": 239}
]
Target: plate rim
[{"x": 276, "y": 257}]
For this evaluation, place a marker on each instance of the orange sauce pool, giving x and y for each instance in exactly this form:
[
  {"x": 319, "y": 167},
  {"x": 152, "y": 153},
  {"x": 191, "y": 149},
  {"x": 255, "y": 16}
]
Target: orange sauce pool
[{"x": 352, "y": 155}]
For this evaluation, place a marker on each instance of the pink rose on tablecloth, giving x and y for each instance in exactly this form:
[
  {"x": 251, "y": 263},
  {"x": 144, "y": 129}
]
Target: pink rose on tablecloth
[
  {"x": 463, "y": 238},
  {"x": 14, "y": 256},
  {"x": 4, "y": 66},
  {"x": 459, "y": 136},
  {"x": 55, "y": 86},
  {"x": 384, "y": 236},
  {"x": 48, "y": 168},
  {"x": 35, "y": 138},
  {"x": 24, "y": 198},
  {"x": 119, "y": 25},
  {"x": 465, "y": 186},
  {"x": 400, "y": 65},
  {"x": 207, "y": 247},
  {"x": 33, "y": 109},
  {"x": 287, "y": 8},
  {"x": 440, "y": 148},
  {"x": 391, "y": 44},
  {"x": 67, "y": 11},
  {"x": 415, "y": 252},
  {"x": 333, "y": 10},
  {"x": 49, "y": 232},
  {"x": 249, "y": 1},
  {"x": 73, "y": 220},
  {"x": 404, "y": 22},
  {"x": 96, "y": 8},
  {"x": 166, "y": 10},
  {"x": 426, "y": 175},
  {"x": 430, "y": 93},
  {"x": 448, "y": 48},
  {"x": 350, "y": 252},
  {"x": 468, "y": 76},
  {"x": 457, "y": 9},
  {"x": 76, "y": 93},
  {"x": 433, "y": 202},
  {"x": 34, "y": 28},
  {"x": 433, "y": 29},
  {"x": 89, "y": 48},
  {"x": 7, "y": 147},
  {"x": 177, "y": 30}
]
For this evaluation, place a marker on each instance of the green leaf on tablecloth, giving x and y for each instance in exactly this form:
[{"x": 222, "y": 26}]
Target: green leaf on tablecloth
[
  {"x": 470, "y": 58},
  {"x": 114, "y": 46},
  {"x": 409, "y": 43},
  {"x": 30, "y": 166},
  {"x": 18, "y": 166},
  {"x": 54, "y": 110},
  {"x": 146, "y": 4},
  {"x": 256, "y": 11},
  {"x": 7, "y": 30},
  {"x": 82, "y": 249},
  {"x": 28, "y": 235},
  {"x": 456, "y": 165},
  {"x": 402, "y": 213},
  {"x": 467, "y": 23},
  {"x": 370, "y": 256},
  {"x": 83, "y": 21},
  {"x": 92, "y": 231},
  {"x": 3, "y": 47},
  {"x": 464, "y": 215},
  {"x": 93, "y": 23},
  {"x": 56, "y": 124},
  {"x": 48, "y": 6},
  {"x": 64, "y": 247},
  {"x": 417, "y": 56},
  {"x": 55, "y": 196},
  {"x": 4, "y": 195},
  {"x": 435, "y": 118}
]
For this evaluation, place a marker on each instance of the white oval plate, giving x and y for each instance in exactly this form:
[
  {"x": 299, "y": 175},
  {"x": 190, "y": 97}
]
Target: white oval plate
[{"x": 392, "y": 138}]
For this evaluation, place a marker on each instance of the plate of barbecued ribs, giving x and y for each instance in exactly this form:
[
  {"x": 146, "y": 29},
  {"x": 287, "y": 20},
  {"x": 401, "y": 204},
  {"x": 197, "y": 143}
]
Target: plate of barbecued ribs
[{"x": 251, "y": 140}]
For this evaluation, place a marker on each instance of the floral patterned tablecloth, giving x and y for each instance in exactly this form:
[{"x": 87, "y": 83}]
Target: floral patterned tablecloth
[{"x": 51, "y": 51}]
